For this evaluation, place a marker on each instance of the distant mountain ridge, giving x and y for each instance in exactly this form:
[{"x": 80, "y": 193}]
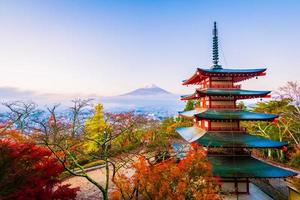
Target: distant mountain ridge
[{"x": 149, "y": 90}]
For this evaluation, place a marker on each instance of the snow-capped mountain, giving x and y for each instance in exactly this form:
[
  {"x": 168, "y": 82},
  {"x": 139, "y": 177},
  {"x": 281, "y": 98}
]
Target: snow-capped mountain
[
  {"x": 148, "y": 90},
  {"x": 151, "y": 100}
]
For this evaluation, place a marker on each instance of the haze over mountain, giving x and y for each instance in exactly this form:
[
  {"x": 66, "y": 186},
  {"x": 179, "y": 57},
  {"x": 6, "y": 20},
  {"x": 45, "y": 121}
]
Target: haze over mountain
[{"x": 150, "y": 100}]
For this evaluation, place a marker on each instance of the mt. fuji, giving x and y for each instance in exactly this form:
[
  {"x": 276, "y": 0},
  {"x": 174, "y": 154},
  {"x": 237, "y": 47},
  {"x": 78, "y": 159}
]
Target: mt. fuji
[{"x": 148, "y": 90}]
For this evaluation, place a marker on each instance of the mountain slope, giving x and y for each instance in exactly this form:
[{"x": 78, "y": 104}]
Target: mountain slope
[{"x": 147, "y": 91}]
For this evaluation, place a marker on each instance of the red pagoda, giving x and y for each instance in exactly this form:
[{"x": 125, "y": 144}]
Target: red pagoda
[{"x": 217, "y": 126}]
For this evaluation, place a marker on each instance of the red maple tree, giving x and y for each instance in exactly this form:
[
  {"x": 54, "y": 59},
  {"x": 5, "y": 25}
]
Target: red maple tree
[
  {"x": 30, "y": 172},
  {"x": 190, "y": 178}
]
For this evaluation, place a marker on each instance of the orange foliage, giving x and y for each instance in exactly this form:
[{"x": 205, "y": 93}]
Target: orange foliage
[
  {"x": 14, "y": 135},
  {"x": 190, "y": 178}
]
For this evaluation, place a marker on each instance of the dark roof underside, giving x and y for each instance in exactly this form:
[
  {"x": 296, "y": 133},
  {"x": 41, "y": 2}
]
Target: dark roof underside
[
  {"x": 245, "y": 167},
  {"x": 238, "y": 74},
  {"x": 233, "y": 92},
  {"x": 227, "y": 92},
  {"x": 237, "y": 139},
  {"x": 233, "y": 71}
]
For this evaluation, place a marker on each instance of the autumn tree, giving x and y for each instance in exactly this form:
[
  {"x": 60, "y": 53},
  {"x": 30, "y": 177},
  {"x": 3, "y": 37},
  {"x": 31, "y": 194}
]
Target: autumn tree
[
  {"x": 64, "y": 137},
  {"x": 190, "y": 178},
  {"x": 95, "y": 127},
  {"x": 115, "y": 139},
  {"x": 291, "y": 90},
  {"x": 161, "y": 137},
  {"x": 30, "y": 172},
  {"x": 68, "y": 137},
  {"x": 19, "y": 115}
]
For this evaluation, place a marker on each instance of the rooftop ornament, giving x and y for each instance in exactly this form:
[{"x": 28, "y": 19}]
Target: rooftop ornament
[{"x": 215, "y": 48}]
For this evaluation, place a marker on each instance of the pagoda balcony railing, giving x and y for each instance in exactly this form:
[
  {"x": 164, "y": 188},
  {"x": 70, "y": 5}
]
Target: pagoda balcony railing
[
  {"x": 223, "y": 106},
  {"x": 198, "y": 106},
  {"x": 226, "y": 86},
  {"x": 219, "y": 107},
  {"x": 229, "y": 152},
  {"x": 240, "y": 129}
]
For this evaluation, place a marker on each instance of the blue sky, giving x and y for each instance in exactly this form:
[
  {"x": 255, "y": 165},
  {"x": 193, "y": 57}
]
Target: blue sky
[{"x": 111, "y": 47}]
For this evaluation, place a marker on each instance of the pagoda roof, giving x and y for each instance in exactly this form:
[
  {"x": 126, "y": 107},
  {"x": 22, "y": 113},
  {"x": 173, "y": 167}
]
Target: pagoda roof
[
  {"x": 237, "y": 74},
  {"x": 234, "y": 166},
  {"x": 232, "y": 71},
  {"x": 191, "y": 134},
  {"x": 234, "y": 115},
  {"x": 191, "y": 113},
  {"x": 242, "y": 94},
  {"x": 232, "y": 139},
  {"x": 228, "y": 139}
]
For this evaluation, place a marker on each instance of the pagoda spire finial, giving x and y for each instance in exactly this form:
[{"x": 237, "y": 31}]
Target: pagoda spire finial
[{"x": 215, "y": 48}]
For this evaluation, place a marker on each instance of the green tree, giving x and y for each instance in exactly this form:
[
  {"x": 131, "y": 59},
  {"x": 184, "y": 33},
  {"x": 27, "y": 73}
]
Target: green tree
[
  {"x": 189, "y": 105},
  {"x": 286, "y": 128}
]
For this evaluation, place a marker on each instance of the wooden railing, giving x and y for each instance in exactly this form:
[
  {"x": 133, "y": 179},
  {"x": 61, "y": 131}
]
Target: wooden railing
[
  {"x": 223, "y": 106},
  {"x": 218, "y": 106},
  {"x": 242, "y": 129},
  {"x": 226, "y": 86}
]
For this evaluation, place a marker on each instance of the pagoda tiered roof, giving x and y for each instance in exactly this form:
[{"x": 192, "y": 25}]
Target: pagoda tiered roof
[
  {"x": 237, "y": 139},
  {"x": 213, "y": 114},
  {"x": 233, "y": 71},
  {"x": 235, "y": 166},
  {"x": 239, "y": 94},
  {"x": 192, "y": 113},
  {"x": 227, "y": 139},
  {"x": 236, "y": 74},
  {"x": 234, "y": 115},
  {"x": 191, "y": 134}
]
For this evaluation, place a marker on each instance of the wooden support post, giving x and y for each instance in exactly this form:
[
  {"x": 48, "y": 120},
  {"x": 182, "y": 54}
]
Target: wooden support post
[
  {"x": 236, "y": 186},
  {"x": 248, "y": 186}
]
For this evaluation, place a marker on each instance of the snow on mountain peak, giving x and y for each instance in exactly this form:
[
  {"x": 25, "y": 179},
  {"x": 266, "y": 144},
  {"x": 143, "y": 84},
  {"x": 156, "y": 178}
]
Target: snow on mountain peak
[
  {"x": 149, "y": 86},
  {"x": 148, "y": 90}
]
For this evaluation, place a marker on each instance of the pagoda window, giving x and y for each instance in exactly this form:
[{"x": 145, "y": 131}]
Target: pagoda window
[
  {"x": 207, "y": 103},
  {"x": 206, "y": 124},
  {"x": 199, "y": 123}
]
